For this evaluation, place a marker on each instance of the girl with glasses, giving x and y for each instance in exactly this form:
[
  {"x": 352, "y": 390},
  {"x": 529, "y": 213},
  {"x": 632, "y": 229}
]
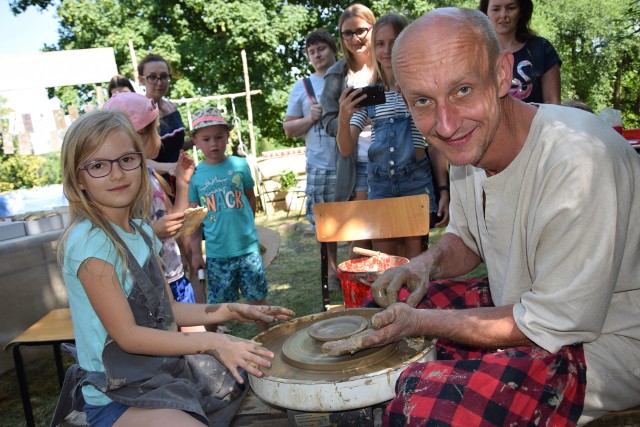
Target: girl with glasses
[
  {"x": 398, "y": 161},
  {"x": 165, "y": 216},
  {"x": 132, "y": 357},
  {"x": 355, "y": 70}
]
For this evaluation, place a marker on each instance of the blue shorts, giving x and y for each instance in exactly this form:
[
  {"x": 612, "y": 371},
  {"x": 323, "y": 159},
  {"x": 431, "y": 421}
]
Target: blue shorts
[
  {"x": 104, "y": 415},
  {"x": 361, "y": 177},
  {"x": 182, "y": 290},
  {"x": 229, "y": 276}
]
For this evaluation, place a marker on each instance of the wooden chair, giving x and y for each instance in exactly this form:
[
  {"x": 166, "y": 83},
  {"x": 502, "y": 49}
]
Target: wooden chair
[{"x": 368, "y": 219}]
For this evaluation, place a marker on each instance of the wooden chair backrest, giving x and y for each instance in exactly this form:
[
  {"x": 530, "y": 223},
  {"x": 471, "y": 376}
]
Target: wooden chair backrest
[{"x": 372, "y": 219}]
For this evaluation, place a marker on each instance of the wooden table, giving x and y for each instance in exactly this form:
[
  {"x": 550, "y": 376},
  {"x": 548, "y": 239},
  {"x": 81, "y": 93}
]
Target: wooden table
[{"x": 53, "y": 329}]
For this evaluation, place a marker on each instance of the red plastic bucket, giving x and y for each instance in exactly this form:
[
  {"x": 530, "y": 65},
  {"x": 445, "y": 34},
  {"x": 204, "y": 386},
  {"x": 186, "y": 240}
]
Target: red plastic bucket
[{"x": 357, "y": 275}]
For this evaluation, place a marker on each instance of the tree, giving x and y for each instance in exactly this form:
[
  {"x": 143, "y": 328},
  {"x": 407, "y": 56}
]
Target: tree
[
  {"x": 600, "y": 51},
  {"x": 597, "y": 40}
]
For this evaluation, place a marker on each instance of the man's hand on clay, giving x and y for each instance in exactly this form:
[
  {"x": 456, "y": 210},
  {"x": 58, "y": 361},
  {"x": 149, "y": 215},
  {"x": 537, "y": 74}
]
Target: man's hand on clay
[
  {"x": 385, "y": 289},
  {"x": 391, "y": 325},
  {"x": 350, "y": 345}
]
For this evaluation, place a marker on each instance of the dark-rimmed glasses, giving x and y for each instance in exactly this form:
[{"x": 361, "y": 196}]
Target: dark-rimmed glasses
[
  {"x": 359, "y": 33},
  {"x": 153, "y": 79},
  {"x": 102, "y": 168}
]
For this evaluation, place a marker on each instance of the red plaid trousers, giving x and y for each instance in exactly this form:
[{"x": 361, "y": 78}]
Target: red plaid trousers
[{"x": 521, "y": 386}]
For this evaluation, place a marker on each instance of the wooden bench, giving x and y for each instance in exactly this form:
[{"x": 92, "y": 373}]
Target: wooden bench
[{"x": 53, "y": 329}]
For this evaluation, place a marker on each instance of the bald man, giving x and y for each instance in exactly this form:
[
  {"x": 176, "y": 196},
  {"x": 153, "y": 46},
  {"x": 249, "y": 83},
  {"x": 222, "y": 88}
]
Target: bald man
[{"x": 547, "y": 197}]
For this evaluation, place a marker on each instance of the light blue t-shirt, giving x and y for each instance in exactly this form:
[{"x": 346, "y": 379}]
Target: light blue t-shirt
[
  {"x": 84, "y": 242},
  {"x": 321, "y": 148},
  {"x": 229, "y": 228}
]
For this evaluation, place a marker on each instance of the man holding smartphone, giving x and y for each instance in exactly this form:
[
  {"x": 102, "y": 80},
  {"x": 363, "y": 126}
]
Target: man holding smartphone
[{"x": 302, "y": 120}]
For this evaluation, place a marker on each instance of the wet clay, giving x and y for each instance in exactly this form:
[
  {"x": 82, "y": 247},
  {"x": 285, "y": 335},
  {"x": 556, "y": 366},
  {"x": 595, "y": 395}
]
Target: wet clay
[
  {"x": 332, "y": 368},
  {"x": 337, "y": 328},
  {"x": 302, "y": 351},
  {"x": 350, "y": 345}
]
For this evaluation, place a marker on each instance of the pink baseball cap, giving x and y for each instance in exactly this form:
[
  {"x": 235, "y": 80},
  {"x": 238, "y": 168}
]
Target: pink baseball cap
[{"x": 140, "y": 109}]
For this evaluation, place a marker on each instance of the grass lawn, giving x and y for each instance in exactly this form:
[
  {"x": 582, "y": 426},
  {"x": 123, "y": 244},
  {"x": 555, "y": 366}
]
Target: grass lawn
[{"x": 294, "y": 282}]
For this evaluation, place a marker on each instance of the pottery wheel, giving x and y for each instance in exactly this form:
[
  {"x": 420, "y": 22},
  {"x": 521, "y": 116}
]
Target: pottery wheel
[
  {"x": 299, "y": 357},
  {"x": 303, "y": 349},
  {"x": 303, "y": 378}
]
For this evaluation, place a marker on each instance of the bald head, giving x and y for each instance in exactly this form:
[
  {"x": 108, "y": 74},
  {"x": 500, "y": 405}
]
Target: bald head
[
  {"x": 440, "y": 25},
  {"x": 455, "y": 80}
]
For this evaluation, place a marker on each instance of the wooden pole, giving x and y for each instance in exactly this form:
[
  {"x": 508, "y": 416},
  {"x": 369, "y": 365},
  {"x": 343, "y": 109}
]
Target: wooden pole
[
  {"x": 134, "y": 61},
  {"x": 99, "y": 94},
  {"x": 247, "y": 89},
  {"x": 215, "y": 97}
]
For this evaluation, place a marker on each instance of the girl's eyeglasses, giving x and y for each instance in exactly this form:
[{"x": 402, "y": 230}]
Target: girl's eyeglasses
[
  {"x": 102, "y": 168},
  {"x": 359, "y": 33}
]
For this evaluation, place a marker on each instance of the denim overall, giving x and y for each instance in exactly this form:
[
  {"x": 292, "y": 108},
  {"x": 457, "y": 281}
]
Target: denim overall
[
  {"x": 393, "y": 170},
  {"x": 197, "y": 384}
]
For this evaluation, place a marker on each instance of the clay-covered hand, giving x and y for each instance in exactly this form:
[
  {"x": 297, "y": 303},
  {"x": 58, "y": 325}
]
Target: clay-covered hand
[
  {"x": 350, "y": 345},
  {"x": 393, "y": 324},
  {"x": 185, "y": 167},
  {"x": 385, "y": 289},
  {"x": 259, "y": 313},
  {"x": 240, "y": 353},
  {"x": 168, "y": 225}
]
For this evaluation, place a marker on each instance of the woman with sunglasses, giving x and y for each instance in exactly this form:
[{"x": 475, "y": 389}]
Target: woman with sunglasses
[{"x": 355, "y": 70}]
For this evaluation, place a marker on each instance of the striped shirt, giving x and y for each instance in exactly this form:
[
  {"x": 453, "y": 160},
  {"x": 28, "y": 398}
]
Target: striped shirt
[{"x": 395, "y": 105}]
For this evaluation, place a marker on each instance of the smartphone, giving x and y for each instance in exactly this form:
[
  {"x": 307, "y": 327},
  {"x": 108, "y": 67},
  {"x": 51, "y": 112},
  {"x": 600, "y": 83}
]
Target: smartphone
[{"x": 375, "y": 95}]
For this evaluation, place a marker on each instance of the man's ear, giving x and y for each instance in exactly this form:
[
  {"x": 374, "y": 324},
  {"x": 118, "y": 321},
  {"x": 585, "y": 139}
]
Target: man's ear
[{"x": 504, "y": 72}]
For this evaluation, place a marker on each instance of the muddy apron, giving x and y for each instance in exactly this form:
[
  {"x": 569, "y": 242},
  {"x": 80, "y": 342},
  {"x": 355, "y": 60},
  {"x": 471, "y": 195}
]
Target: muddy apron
[{"x": 197, "y": 384}]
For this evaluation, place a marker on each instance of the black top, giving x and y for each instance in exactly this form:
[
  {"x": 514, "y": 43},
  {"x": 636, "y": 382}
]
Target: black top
[
  {"x": 172, "y": 134},
  {"x": 530, "y": 63}
]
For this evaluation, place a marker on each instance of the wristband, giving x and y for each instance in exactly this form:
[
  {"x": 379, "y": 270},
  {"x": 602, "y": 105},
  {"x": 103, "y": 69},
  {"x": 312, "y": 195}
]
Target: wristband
[{"x": 443, "y": 187}]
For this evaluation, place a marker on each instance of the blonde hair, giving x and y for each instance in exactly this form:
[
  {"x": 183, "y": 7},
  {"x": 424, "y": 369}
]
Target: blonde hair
[
  {"x": 84, "y": 137},
  {"x": 398, "y": 23},
  {"x": 356, "y": 10}
]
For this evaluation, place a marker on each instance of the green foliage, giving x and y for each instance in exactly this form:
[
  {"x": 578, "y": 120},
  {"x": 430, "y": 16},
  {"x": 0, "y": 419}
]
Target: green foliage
[
  {"x": 596, "y": 39},
  {"x": 287, "y": 180},
  {"x": 17, "y": 171},
  {"x": 600, "y": 48},
  {"x": 51, "y": 168}
]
